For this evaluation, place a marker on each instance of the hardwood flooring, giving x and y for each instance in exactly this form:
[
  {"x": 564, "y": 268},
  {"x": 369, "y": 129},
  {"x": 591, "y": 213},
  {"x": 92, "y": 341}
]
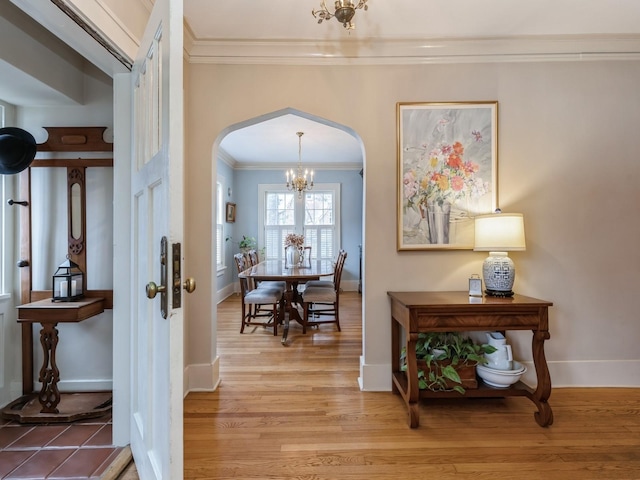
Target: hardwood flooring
[{"x": 296, "y": 412}]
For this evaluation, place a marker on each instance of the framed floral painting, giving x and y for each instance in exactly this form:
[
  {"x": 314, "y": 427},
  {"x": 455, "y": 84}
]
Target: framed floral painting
[{"x": 447, "y": 172}]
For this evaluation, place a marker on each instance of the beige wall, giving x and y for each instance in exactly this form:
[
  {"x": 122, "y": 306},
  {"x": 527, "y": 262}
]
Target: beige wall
[{"x": 567, "y": 160}]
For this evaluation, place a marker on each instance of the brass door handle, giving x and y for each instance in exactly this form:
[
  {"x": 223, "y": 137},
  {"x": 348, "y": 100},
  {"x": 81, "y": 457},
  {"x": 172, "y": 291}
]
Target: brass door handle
[
  {"x": 153, "y": 289},
  {"x": 189, "y": 285}
]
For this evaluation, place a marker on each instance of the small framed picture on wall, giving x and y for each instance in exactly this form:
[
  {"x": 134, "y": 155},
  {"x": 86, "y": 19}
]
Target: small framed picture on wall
[{"x": 231, "y": 212}]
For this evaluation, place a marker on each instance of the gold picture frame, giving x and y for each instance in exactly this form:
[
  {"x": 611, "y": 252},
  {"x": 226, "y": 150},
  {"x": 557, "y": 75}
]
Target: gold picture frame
[
  {"x": 447, "y": 172},
  {"x": 230, "y": 212}
]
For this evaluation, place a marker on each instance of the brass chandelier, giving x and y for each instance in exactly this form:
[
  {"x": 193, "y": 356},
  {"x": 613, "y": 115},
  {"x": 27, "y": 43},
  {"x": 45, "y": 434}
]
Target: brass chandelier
[
  {"x": 344, "y": 12},
  {"x": 297, "y": 181}
]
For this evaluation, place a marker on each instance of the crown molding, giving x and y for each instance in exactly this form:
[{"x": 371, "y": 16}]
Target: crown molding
[
  {"x": 416, "y": 51},
  {"x": 286, "y": 166},
  {"x": 226, "y": 158}
]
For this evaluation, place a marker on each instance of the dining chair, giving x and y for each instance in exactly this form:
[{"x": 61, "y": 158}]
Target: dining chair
[
  {"x": 328, "y": 283},
  {"x": 319, "y": 301},
  {"x": 259, "y": 305},
  {"x": 254, "y": 259}
]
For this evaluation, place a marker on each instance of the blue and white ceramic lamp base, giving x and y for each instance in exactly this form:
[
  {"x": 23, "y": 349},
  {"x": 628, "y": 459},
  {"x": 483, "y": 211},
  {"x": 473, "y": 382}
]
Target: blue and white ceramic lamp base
[{"x": 499, "y": 274}]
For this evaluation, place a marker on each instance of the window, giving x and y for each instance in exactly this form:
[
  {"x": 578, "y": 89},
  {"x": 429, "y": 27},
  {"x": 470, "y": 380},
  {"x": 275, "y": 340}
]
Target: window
[
  {"x": 219, "y": 228},
  {"x": 316, "y": 215}
]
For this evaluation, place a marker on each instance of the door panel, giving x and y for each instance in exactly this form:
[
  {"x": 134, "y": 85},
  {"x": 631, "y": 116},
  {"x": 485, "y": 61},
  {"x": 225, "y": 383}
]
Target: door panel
[{"x": 156, "y": 188}]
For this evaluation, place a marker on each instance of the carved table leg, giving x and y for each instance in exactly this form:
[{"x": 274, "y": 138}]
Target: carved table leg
[
  {"x": 413, "y": 392},
  {"x": 544, "y": 415},
  {"x": 49, "y": 374}
]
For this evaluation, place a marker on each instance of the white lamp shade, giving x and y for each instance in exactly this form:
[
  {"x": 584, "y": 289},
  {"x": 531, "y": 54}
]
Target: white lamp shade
[{"x": 499, "y": 232}]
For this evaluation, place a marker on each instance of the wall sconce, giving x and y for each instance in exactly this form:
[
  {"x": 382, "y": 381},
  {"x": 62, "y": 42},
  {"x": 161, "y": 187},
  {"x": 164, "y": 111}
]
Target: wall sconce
[{"x": 68, "y": 282}]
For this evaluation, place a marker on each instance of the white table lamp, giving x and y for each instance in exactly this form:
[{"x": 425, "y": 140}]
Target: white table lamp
[{"x": 498, "y": 234}]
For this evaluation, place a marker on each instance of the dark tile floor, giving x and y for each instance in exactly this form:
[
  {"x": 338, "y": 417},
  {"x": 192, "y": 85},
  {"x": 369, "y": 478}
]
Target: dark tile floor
[{"x": 78, "y": 450}]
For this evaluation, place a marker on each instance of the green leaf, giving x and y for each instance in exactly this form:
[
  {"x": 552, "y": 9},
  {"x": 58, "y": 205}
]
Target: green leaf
[
  {"x": 450, "y": 373},
  {"x": 459, "y": 389}
]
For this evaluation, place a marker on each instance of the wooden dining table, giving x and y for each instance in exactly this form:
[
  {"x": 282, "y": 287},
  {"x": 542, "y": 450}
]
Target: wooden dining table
[{"x": 293, "y": 276}]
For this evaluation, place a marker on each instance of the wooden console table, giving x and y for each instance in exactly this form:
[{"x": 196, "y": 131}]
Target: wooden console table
[
  {"x": 49, "y": 314},
  {"x": 456, "y": 312}
]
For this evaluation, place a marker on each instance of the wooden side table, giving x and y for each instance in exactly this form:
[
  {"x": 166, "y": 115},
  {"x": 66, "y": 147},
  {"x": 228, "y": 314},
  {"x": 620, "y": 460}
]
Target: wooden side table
[
  {"x": 457, "y": 312},
  {"x": 49, "y": 314}
]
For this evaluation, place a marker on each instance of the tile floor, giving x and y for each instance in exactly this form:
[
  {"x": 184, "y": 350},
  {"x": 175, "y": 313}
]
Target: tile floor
[{"x": 79, "y": 450}]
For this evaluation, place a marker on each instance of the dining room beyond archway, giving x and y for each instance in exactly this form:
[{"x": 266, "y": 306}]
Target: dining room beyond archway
[{"x": 251, "y": 157}]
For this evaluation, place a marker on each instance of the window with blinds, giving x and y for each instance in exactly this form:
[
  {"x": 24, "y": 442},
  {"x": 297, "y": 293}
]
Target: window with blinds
[{"x": 315, "y": 215}]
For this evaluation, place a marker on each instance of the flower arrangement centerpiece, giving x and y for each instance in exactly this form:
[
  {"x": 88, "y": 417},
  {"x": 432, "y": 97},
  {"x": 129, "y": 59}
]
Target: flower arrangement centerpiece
[
  {"x": 294, "y": 239},
  {"x": 441, "y": 178},
  {"x": 294, "y": 251}
]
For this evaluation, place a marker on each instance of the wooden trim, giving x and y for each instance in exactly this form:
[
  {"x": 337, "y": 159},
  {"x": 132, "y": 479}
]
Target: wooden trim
[
  {"x": 75, "y": 139},
  {"x": 72, "y": 162},
  {"x": 37, "y": 295},
  {"x": 77, "y": 247}
]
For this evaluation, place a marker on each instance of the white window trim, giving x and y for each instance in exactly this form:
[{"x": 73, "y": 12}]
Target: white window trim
[
  {"x": 220, "y": 184},
  {"x": 282, "y": 188}
]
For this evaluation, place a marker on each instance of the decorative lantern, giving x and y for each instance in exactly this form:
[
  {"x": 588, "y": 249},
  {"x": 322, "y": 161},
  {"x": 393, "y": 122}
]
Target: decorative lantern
[{"x": 68, "y": 282}]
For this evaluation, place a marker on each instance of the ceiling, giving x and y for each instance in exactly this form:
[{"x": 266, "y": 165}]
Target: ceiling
[
  {"x": 426, "y": 25},
  {"x": 411, "y": 19},
  {"x": 390, "y": 31},
  {"x": 273, "y": 142}
]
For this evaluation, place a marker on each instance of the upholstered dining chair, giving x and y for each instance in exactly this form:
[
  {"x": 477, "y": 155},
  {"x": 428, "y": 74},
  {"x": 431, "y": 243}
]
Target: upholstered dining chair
[
  {"x": 254, "y": 259},
  {"x": 259, "y": 305},
  {"x": 322, "y": 304},
  {"x": 328, "y": 283}
]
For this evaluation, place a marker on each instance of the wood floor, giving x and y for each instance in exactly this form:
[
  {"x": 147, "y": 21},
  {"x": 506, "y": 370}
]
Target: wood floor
[{"x": 296, "y": 412}]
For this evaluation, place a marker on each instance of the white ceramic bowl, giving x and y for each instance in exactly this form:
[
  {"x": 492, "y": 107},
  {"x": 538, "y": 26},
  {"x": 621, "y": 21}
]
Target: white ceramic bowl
[{"x": 501, "y": 378}]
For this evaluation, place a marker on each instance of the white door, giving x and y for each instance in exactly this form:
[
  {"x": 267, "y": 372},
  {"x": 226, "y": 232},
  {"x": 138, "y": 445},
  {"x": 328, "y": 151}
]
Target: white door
[{"x": 157, "y": 212}]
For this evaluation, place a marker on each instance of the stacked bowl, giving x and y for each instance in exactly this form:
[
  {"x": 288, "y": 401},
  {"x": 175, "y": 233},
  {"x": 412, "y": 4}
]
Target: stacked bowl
[{"x": 498, "y": 378}]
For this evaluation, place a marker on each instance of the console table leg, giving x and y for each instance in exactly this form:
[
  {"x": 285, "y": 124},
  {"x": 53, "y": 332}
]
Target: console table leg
[
  {"x": 544, "y": 415},
  {"x": 49, "y": 374},
  {"x": 414, "y": 415}
]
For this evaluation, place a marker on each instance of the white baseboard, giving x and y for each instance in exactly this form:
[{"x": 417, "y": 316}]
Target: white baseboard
[
  {"x": 349, "y": 285},
  {"x": 374, "y": 378},
  {"x": 202, "y": 377},
  {"x": 225, "y": 292},
  {"x": 587, "y": 373}
]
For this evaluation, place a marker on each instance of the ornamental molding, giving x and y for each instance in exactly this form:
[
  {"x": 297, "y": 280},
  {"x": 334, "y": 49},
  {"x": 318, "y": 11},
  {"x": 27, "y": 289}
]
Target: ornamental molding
[{"x": 415, "y": 51}]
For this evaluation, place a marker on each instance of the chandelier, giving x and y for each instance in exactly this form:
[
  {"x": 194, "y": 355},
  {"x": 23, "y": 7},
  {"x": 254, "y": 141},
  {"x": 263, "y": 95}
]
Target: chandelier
[
  {"x": 344, "y": 12},
  {"x": 298, "y": 181}
]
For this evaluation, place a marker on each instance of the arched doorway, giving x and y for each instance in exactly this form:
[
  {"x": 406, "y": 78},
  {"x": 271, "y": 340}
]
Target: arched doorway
[{"x": 258, "y": 151}]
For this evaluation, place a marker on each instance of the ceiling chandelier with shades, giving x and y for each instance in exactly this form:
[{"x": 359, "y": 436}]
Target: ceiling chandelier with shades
[
  {"x": 344, "y": 11},
  {"x": 297, "y": 181}
]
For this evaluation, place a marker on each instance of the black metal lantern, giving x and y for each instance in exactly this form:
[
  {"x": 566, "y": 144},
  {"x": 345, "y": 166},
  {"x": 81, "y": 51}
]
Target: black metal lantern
[{"x": 68, "y": 282}]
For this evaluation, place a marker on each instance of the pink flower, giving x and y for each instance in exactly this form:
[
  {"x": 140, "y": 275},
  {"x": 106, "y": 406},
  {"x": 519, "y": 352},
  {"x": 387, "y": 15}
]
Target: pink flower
[{"x": 457, "y": 183}]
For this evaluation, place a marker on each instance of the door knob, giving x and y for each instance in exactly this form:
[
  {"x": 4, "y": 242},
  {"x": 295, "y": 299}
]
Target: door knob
[
  {"x": 189, "y": 285},
  {"x": 153, "y": 289}
]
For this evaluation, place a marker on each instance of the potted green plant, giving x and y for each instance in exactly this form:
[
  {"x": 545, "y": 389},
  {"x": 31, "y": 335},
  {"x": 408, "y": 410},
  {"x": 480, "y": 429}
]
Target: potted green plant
[
  {"x": 447, "y": 361},
  {"x": 247, "y": 243}
]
